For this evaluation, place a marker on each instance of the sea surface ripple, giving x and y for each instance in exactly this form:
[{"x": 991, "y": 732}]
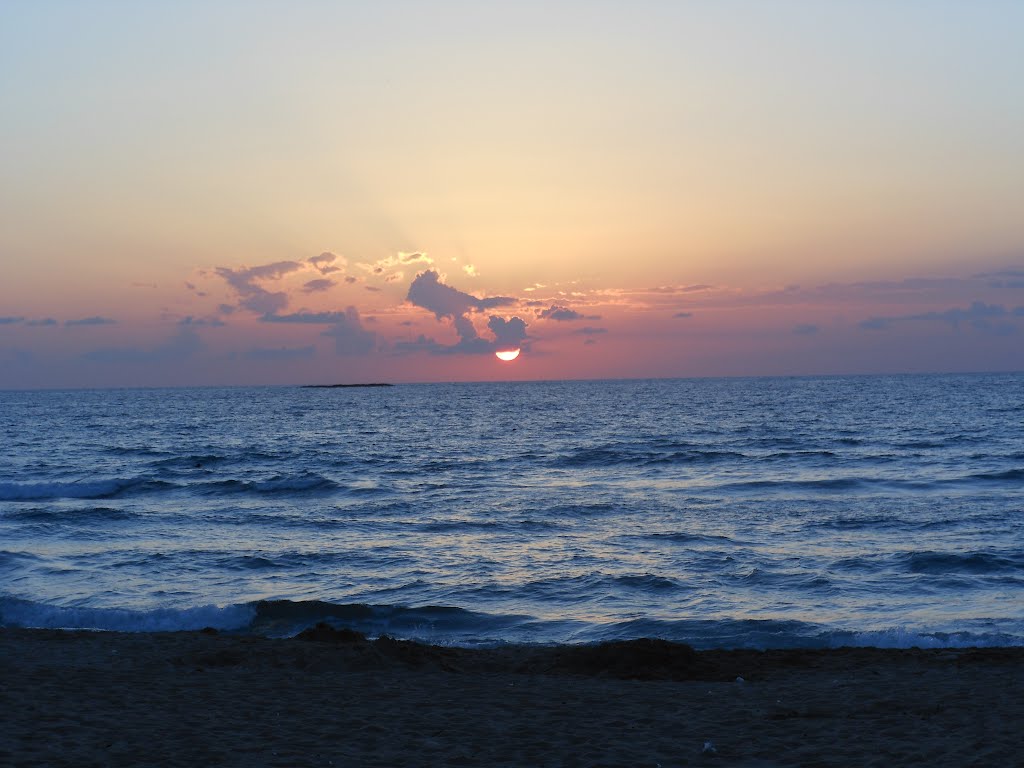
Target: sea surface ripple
[{"x": 768, "y": 512}]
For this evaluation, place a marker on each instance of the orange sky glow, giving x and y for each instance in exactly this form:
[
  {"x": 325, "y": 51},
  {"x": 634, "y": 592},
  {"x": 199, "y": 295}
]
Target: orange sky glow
[{"x": 202, "y": 195}]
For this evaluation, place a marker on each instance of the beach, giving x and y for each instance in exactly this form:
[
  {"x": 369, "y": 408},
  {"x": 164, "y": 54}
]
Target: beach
[{"x": 334, "y": 698}]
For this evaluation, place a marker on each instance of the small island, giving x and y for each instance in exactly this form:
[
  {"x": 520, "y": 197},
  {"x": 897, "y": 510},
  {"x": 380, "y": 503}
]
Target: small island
[{"x": 344, "y": 386}]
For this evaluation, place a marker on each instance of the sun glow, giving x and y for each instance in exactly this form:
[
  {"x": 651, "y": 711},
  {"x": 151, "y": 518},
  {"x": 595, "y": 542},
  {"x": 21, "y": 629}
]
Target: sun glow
[{"x": 507, "y": 354}]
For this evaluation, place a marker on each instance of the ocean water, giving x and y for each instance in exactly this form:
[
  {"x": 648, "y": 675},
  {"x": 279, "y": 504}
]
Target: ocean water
[{"x": 768, "y": 512}]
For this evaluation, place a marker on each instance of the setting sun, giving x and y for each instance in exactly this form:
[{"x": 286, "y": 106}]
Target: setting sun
[{"x": 507, "y": 355}]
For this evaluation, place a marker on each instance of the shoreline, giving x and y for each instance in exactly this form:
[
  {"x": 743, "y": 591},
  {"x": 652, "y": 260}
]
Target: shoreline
[{"x": 335, "y": 698}]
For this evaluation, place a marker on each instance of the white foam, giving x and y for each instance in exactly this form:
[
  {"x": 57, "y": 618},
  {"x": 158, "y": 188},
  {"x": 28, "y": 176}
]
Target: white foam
[
  {"x": 898, "y": 637},
  {"x": 75, "y": 490},
  {"x": 26, "y": 613}
]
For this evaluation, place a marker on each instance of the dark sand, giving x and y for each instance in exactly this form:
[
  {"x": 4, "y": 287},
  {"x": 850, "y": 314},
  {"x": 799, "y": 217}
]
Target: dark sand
[{"x": 193, "y": 699}]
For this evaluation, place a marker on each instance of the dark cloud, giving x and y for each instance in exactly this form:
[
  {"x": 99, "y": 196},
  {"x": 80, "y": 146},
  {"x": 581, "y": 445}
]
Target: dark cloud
[
  {"x": 682, "y": 315},
  {"x": 323, "y": 318},
  {"x": 805, "y": 329},
  {"x": 225, "y": 309},
  {"x": 590, "y": 331},
  {"x": 508, "y": 334},
  {"x": 279, "y": 353},
  {"x": 254, "y": 297},
  {"x": 422, "y": 344},
  {"x": 1004, "y": 278},
  {"x": 209, "y": 322},
  {"x": 183, "y": 345},
  {"x": 372, "y": 288},
  {"x": 590, "y": 341},
  {"x": 11, "y": 320},
  {"x": 43, "y": 321},
  {"x": 350, "y": 279},
  {"x": 878, "y": 323},
  {"x": 320, "y": 284},
  {"x": 427, "y": 291},
  {"x": 556, "y": 312},
  {"x": 94, "y": 320},
  {"x": 1000, "y": 273},
  {"x": 350, "y": 338},
  {"x": 324, "y": 263},
  {"x": 978, "y": 315}
]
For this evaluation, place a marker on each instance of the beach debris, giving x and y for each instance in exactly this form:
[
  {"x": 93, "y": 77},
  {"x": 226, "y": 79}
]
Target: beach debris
[
  {"x": 709, "y": 748},
  {"x": 740, "y": 680}
]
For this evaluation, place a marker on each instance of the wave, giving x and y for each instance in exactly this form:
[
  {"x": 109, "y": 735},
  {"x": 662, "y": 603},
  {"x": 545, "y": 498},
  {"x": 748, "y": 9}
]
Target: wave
[
  {"x": 969, "y": 562},
  {"x": 15, "y": 612},
  {"x": 645, "y": 455},
  {"x": 48, "y": 514},
  {"x": 691, "y": 538},
  {"x": 95, "y": 489},
  {"x": 449, "y": 625},
  {"x": 1007, "y": 475},
  {"x": 280, "y": 484}
]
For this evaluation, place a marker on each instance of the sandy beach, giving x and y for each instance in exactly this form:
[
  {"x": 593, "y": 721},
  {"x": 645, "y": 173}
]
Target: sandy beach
[{"x": 192, "y": 699}]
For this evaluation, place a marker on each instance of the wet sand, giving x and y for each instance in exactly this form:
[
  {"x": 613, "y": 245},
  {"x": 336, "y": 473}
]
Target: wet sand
[{"x": 195, "y": 699}]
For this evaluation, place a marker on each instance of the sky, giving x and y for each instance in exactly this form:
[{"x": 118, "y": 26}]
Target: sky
[{"x": 236, "y": 193}]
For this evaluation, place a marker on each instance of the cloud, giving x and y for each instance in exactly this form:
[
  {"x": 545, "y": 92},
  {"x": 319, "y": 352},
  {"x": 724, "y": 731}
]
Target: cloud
[
  {"x": 305, "y": 317},
  {"x": 350, "y": 279},
  {"x": 507, "y": 333},
  {"x": 1004, "y": 278},
  {"x": 350, "y": 338},
  {"x": 470, "y": 271},
  {"x": 94, "y": 320},
  {"x": 805, "y": 329},
  {"x": 183, "y": 345},
  {"x": 399, "y": 260},
  {"x": 324, "y": 263},
  {"x": 9, "y": 320},
  {"x": 427, "y": 291},
  {"x": 681, "y": 315},
  {"x": 590, "y": 331},
  {"x": 978, "y": 315},
  {"x": 43, "y": 321},
  {"x": 679, "y": 288},
  {"x": 564, "y": 314},
  {"x": 320, "y": 284},
  {"x": 209, "y": 322},
  {"x": 254, "y": 297},
  {"x": 279, "y": 353}
]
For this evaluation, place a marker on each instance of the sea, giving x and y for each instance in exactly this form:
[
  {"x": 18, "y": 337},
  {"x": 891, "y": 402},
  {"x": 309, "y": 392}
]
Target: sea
[{"x": 796, "y": 512}]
